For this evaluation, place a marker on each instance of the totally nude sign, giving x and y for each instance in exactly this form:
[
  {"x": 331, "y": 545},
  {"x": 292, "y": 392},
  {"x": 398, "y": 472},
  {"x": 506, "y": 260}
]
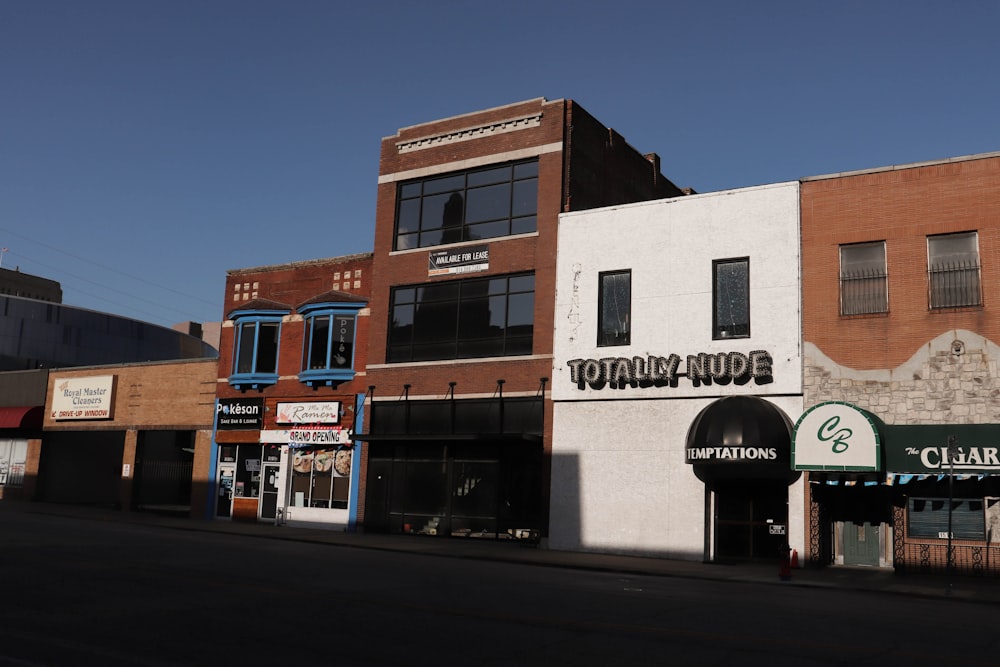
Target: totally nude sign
[{"x": 653, "y": 371}]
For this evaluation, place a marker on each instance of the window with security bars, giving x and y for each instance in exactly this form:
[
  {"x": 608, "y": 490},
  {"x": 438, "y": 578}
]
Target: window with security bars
[
  {"x": 863, "y": 279},
  {"x": 928, "y": 517},
  {"x": 953, "y": 270}
]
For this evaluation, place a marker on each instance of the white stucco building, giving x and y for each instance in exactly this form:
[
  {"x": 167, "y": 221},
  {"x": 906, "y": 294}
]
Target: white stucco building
[{"x": 664, "y": 310}]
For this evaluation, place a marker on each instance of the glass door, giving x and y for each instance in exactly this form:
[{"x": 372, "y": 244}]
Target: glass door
[
  {"x": 269, "y": 491},
  {"x": 225, "y": 484}
]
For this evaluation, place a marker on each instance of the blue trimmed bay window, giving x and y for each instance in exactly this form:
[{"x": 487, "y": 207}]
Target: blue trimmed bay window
[
  {"x": 255, "y": 348},
  {"x": 329, "y": 342}
]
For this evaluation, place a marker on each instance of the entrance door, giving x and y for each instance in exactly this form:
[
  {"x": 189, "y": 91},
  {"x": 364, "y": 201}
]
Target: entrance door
[
  {"x": 861, "y": 543},
  {"x": 269, "y": 492},
  {"x": 751, "y": 519},
  {"x": 224, "y": 503}
]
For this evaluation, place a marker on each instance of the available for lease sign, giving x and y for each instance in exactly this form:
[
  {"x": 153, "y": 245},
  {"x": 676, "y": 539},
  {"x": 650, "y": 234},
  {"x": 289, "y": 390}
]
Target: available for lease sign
[{"x": 83, "y": 398}]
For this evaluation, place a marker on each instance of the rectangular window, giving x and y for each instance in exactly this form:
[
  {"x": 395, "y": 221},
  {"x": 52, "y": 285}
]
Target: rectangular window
[
  {"x": 863, "y": 279},
  {"x": 928, "y": 517},
  {"x": 614, "y": 303},
  {"x": 731, "y": 298},
  {"x": 257, "y": 348},
  {"x": 13, "y": 454},
  {"x": 467, "y": 206},
  {"x": 953, "y": 270},
  {"x": 320, "y": 478},
  {"x": 463, "y": 319},
  {"x": 330, "y": 341}
]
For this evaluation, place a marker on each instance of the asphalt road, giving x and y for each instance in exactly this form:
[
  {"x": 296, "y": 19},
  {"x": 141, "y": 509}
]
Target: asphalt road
[{"x": 84, "y": 592}]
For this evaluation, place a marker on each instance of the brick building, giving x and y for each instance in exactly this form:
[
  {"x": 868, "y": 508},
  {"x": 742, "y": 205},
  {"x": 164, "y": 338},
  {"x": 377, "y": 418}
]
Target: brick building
[
  {"x": 291, "y": 365},
  {"x": 900, "y": 323},
  {"x": 133, "y": 436},
  {"x": 460, "y": 348}
]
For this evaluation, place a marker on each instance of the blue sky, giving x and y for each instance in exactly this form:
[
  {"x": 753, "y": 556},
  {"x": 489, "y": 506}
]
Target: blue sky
[{"x": 148, "y": 146}]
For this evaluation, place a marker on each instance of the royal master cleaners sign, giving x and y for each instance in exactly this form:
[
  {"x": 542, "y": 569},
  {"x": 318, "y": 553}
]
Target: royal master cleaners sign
[{"x": 83, "y": 398}]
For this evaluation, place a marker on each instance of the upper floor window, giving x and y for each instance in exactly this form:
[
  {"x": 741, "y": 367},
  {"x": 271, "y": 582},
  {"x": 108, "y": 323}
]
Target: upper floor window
[
  {"x": 953, "y": 270},
  {"x": 255, "y": 348},
  {"x": 863, "y": 279},
  {"x": 330, "y": 342},
  {"x": 614, "y": 303},
  {"x": 462, "y": 319},
  {"x": 731, "y": 298},
  {"x": 468, "y": 205}
]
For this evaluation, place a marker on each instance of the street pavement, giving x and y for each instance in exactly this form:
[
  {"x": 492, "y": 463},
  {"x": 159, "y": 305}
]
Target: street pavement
[{"x": 981, "y": 589}]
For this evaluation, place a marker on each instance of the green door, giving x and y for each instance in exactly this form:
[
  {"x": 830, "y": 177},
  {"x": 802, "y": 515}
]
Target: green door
[{"x": 861, "y": 543}]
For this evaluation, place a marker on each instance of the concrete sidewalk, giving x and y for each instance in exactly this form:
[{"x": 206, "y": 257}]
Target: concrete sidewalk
[{"x": 966, "y": 588}]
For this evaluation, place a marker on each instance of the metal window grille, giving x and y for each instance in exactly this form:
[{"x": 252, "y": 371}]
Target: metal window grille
[
  {"x": 954, "y": 284},
  {"x": 864, "y": 291}
]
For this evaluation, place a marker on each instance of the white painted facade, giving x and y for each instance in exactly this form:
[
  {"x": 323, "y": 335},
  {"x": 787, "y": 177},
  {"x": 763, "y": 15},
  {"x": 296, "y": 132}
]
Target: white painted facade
[{"x": 620, "y": 482}]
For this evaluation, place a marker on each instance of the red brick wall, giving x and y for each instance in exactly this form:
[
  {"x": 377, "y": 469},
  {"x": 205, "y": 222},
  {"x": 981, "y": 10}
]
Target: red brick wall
[
  {"x": 609, "y": 172},
  {"x": 294, "y": 284},
  {"x": 901, "y": 207}
]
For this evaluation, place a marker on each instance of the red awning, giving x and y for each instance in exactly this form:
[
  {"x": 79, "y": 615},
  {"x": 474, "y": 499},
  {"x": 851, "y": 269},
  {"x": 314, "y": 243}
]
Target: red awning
[{"x": 29, "y": 416}]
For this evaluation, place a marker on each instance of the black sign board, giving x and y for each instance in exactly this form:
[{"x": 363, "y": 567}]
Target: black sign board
[{"x": 233, "y": 414}]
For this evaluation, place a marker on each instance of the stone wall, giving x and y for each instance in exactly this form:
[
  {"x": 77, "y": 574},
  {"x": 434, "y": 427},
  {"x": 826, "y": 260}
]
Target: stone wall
[{"x": 953, "y": 379}]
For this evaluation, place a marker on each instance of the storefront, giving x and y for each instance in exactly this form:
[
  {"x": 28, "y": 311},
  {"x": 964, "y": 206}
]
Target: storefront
[
  {"x": 456, "y": 467},
  {"x": 677, "y": 365},
  {"x": 885, "y": 495},
  {"x": 18, "y": 426},
  {"x": 840, "y": 447},
  {"x": 134, "y": 437},
  {"x": 740, "y": 447},
  {"x": 291, "y": 462},
  {"x": 945, "y": 476}
]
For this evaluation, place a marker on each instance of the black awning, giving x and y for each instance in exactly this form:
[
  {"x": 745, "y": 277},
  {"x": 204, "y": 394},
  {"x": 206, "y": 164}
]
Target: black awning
[{"x": 741, "y": 436}]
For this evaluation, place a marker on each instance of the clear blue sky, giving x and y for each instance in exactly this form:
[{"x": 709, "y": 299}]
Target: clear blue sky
[{"x": 148, "y": 146}]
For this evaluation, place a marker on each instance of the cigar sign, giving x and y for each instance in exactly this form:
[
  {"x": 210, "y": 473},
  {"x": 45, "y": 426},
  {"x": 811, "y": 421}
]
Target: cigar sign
[{"x": 83, "y": 398}]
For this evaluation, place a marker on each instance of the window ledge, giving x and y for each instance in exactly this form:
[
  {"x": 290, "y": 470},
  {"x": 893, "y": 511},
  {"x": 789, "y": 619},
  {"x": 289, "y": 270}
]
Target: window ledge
[
  {"x": 325, "y": 377},
  {"x": 252, "y": 380}
]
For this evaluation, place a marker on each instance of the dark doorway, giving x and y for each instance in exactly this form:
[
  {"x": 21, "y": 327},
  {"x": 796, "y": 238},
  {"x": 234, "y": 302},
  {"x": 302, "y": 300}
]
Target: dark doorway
[
  {"x": 163, "y": 467},
  {"x": 81, "y": 467},
  {"x": 751, "y": 520}
]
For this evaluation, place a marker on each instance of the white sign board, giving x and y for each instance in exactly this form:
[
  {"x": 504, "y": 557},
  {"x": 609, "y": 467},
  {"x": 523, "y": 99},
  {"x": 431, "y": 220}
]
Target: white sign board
[
  {"x": 316, "y": 412},
  {"x": 303, "y": 437},
  {"x": 836, "y": 436},
  {"x": 83, "y": 398}
]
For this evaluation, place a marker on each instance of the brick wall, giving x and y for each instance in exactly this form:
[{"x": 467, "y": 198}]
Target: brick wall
[{"x": 901, "y": 207}]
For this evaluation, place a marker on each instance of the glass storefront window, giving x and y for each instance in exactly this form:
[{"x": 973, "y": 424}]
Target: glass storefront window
[
  {"x": 321, "y": 478},
  {"x": 12, "y": 456}
]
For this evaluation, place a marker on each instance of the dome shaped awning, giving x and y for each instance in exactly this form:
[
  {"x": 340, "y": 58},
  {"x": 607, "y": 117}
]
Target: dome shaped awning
[{"x": 740, "y": 437}]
